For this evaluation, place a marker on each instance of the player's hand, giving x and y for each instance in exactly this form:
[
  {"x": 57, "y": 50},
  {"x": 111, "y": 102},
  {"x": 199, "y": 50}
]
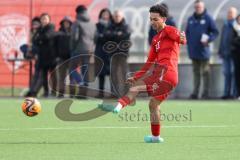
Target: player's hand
[
  {"x": 182, "y": 37},
  {"x": 131, "y": 81}
]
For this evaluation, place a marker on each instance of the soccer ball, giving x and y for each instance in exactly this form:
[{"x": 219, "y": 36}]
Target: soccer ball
[{"x": 31, "y": 106}]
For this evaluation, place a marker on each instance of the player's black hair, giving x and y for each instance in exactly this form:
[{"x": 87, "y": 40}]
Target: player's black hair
[
  {"x": 165, "y": 5},
  {"x": 163, "y": 12}
]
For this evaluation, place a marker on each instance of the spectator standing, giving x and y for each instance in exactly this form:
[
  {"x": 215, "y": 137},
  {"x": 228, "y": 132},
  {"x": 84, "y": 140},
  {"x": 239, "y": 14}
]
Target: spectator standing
[
  {"x": 201, "y": 30},
  {"x": 63, "y": 51},
  {"x": 31, "y": 51},
  {"x": 120, "y": 34},
  {"x": 101, "y": 37},
  {"x": 46, "y": 55},
  {"x": 82, "y": 48},
  {"x": 226, "y": 56},
  {"x": 235, "y": 50}
]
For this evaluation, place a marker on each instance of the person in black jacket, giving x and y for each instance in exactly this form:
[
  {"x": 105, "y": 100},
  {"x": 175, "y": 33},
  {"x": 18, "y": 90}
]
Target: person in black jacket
[
  {"x": 63, "y": 52},
  {"x": 120, "y": 37},
  {"x": 30, "y": 52},
  {"x": 105, "y": 20},
  {"x": 235, "y": 50},
  {"x": 46, "y": 54}
]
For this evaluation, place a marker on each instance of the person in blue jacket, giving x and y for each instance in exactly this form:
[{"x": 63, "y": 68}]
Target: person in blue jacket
[
  {"x": 201, "y": 30},
  {"x": 226, "y": 56},
  {"x": 170, "y": 21}
]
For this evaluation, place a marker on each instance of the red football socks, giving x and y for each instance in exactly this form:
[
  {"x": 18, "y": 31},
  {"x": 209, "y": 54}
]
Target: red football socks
[
  {"x": 124, "y": 101},
  {"x": 155, "y": 129}
]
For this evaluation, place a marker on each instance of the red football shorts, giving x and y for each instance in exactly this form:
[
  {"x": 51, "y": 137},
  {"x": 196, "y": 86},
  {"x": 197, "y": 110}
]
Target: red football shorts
[{"x": 161, "y": 82}]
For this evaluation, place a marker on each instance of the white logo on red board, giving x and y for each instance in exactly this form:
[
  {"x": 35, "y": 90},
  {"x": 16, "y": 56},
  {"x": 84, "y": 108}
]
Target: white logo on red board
[{"x": 14, "y": 31}]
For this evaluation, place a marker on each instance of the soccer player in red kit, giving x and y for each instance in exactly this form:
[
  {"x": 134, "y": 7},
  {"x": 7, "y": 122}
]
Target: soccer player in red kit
[{"x": 163, "y": 56}]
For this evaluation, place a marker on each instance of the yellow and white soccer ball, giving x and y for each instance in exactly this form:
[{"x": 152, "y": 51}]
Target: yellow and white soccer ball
[{"x": 31, "y": 107}]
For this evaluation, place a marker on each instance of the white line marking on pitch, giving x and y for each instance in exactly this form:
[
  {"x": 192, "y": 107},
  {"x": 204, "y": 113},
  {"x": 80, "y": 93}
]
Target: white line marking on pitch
[{"x": 115, "y": 127}]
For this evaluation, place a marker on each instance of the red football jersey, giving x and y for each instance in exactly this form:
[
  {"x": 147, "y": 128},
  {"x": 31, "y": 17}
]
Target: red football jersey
[{"x": 164, "y": 50}]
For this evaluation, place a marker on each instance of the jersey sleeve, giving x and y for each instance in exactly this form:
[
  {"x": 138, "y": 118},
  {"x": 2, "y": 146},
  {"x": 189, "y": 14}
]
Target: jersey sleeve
[
  {"x": 151, "y": 59},
  {"x": 175, "y": 34}
]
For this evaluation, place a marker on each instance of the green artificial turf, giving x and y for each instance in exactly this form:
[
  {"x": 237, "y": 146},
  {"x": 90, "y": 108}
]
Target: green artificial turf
[{"x": 192, "y": 130}]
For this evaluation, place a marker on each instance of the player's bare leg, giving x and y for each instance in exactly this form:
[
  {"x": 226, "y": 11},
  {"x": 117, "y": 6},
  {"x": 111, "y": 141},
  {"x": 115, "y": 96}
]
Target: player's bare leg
[
  {"x": 154, "y": 108},
  {"x": 138, "y": 86}
]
